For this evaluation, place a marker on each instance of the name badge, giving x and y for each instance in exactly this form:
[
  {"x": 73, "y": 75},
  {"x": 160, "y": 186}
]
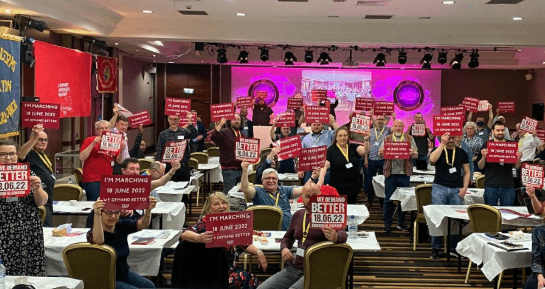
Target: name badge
[
  {"x": 376, "y": 143},
  {"x": 112, "y": 164},
  {"x": 245, "y": 128},
  {"x": 12, "y": 199},
  {"x": 180, "y": 137},
  {"x": 481, "y": 133},
  {"x": 452, "y": 170},
  {"x": 300, "y": 252},
  {"x": 349, "y": 165},
  {"x": 514, "y": 173},
  {"x": 53, "y": 176}
]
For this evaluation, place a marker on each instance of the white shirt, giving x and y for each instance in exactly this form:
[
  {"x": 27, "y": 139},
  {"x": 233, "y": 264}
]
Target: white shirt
[{"x": 528, "y": 145}]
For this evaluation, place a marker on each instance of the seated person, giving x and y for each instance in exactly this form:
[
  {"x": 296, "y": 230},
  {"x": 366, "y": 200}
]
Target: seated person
[
  {"x": 158, "y": 176},
  {"x": 139, "y": 147},
  {"x": 267, "y": 160},
  {"x": 292, "y": 275},
  {"x": 538, "y": 205},
  {"x": 238, "y": 278},
  {"x": 271, "y": 194},
  {"x": 536, "y": 279},
  {"x": 108, "y": 229}
]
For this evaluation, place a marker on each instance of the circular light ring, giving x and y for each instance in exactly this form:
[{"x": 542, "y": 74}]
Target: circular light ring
[
  {"x": 408, "y": 95},
  {"x": 264, "y": 85}
]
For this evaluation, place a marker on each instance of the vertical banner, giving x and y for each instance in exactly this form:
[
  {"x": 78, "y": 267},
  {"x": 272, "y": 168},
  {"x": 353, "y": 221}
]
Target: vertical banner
[
  {"x": 106, "y": 74},
  {"x": 247, "y": 149},
  {"x": 10, "y": 85},
  {"x": 63, "y": 76}
]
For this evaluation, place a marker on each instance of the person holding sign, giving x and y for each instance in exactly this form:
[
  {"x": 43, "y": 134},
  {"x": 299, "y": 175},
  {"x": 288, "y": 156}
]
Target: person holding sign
[
  {"x": 498, "y": 177},
  {"x": 475, "y": 143},
  {"x": 108, "y": 229},
  {"x": 397, "y": 173},
  {"x": 528, "y": 144},
  {"x": 344, "y": 161},
  {"x": 120, "y": 126},
  {"x": 288, "y": 165},
  {"x": 226, "y": 138},
  {"x": 421, "y": 133},
  {"x": 218, "y": 203},
  {"x": 292, "y": 276},
  {"x": 537, "y": 280},
  {"x": 449, "y": 186},
  {"x": 246, "y": 125},
  {"x": 139, "y": 147},
  {"x": 266, "y": 160},
  {"x": 197, "y": 144},
  {"x": 21, "y": 234},
  {"x": 96, "y": 162},
  {"x": 262, "y": 113},
  {"x": 483, "y": 131}
]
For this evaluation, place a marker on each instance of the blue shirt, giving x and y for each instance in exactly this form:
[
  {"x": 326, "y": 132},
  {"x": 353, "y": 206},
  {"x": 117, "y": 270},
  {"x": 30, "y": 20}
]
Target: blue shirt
[
  {"x": 469, "y": 153},
  {"x": 324, "y": 138},
  {"x": 375, "y": 141},
  {"x": 286, "y": 193}
]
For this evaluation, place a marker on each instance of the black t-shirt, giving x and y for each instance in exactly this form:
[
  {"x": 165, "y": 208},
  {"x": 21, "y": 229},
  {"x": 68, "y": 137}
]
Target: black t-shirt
[
  {"x": 497, "y": 175},
  {"x": 443, "y": 174},
  {"x": 41, "y": 170},
  {"x": 420, "y": 141},
  {"x": 342, "y": 176}
]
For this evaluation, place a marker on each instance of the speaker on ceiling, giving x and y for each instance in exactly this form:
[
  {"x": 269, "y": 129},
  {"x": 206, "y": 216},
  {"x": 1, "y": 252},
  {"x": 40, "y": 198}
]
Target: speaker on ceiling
[{"x": 537, "y": 111}]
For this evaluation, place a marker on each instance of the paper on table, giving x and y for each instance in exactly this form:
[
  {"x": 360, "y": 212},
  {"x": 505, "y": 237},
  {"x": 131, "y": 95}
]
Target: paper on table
[
  {"x": 148, "y": 234},
  {"x": 509, "y": 216},
  {"x": 172, "y": 186}
]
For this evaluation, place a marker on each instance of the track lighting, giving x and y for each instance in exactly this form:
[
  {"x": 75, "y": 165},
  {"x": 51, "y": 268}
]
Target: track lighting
[
  {"x": 456, "y": 62},
  {"x": 264, "y": 56},
  {"x": 426, "y": 60},
  {"x": 380, "y": 60},
  {"x": 243, "y": 57},
  {"x": 308, "y": 56},
  {"x": 474, "y": 59},
  {"x": 324, "y": 58},
  {"x": 222, "y": 55},
  {"x": 402, "y": 57},
  {"x": 289, "y": 58},
  {"x": 442, "y": 58}
]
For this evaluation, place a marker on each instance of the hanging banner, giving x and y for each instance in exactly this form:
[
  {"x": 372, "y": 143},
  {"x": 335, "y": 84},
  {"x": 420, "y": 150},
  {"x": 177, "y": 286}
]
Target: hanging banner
[
  {"x": 106, "y": 74},
  {"x": 70, "y": 84},
  {"x": 10, "y": 85}
]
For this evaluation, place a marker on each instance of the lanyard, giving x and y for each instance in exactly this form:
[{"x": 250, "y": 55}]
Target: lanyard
[
  {"x": 237, "y": 133},
  {"x": 305, "y": 230},
  {"x": 277, "y": 196},
  {"x": 521, "y": 140},
  {"x": 344, "y": 154},
  {"x": 378, "y": 135},
  {"x": 318, "y": 139},
  {"x": 395, "y": 139},
  {"x": 453, "y": 155},
  {"x": 45, "y": 160}
]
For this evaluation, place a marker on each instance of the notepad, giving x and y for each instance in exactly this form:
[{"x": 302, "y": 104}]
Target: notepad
[{"x": 143, "y": 241}]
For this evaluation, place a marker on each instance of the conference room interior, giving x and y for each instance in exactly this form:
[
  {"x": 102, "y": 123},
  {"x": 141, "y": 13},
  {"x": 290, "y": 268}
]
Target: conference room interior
[{"x": 171, "y": 49}]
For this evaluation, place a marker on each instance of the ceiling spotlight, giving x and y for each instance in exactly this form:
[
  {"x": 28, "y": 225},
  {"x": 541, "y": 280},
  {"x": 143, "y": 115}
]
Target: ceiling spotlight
[
  {"x": 324, "y": 58},
  {"x": 380, "y": 60},
  {"x": 240, "y": 14},
  {"x": 264, "y": 56},
  {"x": 456, "y": 62},
  {"x": 222, "y": 55},
  {"x": 243, "y": 57},
  {"x": 289, "y": 58},
  {"x": 442, "y": 58},
  {"x": 426, "y": 60},
  {"x": 402, "y": 58},
  {"x": 474, "y": 59},
  {"x": 308, "y": 56}
]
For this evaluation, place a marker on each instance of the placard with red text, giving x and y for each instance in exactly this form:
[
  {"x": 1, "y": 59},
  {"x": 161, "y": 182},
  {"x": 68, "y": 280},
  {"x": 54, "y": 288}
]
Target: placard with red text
[
  {"x": 174, "y": 151},
  {"x": 541, "y": 134},
  {"x": 364, "y": 104},
  {"x": 247, "y": 149},
  {"x": 111, "y": 141},
  {"x": 318, "y": 94},
  {"x": 261, "y": 94},
  {"x": 396, "y": 150},
  {"x": 140, "y": 118},
  {"x": 451, "y": 124},
  {"x": 184, "y": 119},
  {"x": 290, "y": 147},
  {"x": 384, "y": 108},
  {"x": 360, "y": 124},
  {"x": 471, "y": 104},
  {"x": 528, "y": 124},
  {"x": 295, "y": 103},
  {"x": 502, "y": 152},
  {"x": 328, "y": 211},
  {"x": 14, "y": 180},
  {"x": 418, "y": 129},
  {"x": 120, "y": 192},
  {"x": 316, "y": 114},
  {"x": 483, "y": 105},
  {"x": 285, "y": 119},
  {"x": 47, "y": 114},
  {"x": 453, "y": 110},
  {"x": 506, "y": 107},
  {"x": 177, "y": 106},
  {"x": 230, "y": 229},
  {"x": 245, "y": 101},
  {"x": 222, "y": 110},
  {"x": 312, "y": 158},
  {"x": 532, "y": 175}
]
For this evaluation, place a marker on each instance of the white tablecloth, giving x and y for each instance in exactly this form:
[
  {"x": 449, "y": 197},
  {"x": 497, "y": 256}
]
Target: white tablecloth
[
  {"x": 378, "y": 182},
  {"x": 213, "y": 166},
  {"x": 368, "y": 244},
  {"x": 494, "y": 259},
  {"x": 407, "y": 197},
  {"x": 174, "y": 195},
  {"x": 429, "y": 171},
  {"x": 143, "y": 259},
  {"x": 47, "y": 282}
]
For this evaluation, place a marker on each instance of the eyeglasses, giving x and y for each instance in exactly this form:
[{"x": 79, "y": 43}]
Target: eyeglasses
[
  {"x": 270, "y": 179},
  {"x": 110, "y": 213},
  {"x": 43, "y": 140},
  {"x": 6, "y": 155}
]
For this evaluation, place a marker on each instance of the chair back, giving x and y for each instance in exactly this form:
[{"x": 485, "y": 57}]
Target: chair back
[
  {"x": 484, "y": 218},
  {"x": 78, "y": 173},
  {"x": 42, "y": 211},
  {"x": 267, "y": 218},
  {"x": 213, "y": 152},
  {"x": 144, "y": 164},
  {"x": 193, "y": 163},
  {"x": 326, "y": 265},
  {"x": 201, "y": 157},
  {"x": 208, "y": 145},
  {"x": 536, "y": 161},
  {"x": 423, "y": 198},
  {"x": 251, "y": 177},
  {"x": 67, "y": 192},
  {"x": 79, "y": 258},
  {"x": 479, "y": 182},
  {"x": 265, "y": 150}
]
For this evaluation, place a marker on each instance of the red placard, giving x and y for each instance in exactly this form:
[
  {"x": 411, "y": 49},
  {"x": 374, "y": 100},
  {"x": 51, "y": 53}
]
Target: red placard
[
  {"x": 140, "y": 118},
  {"x": 285, "y": 119},
  {"x": 483, "y": 105},
  {"x": 328, "y": 211},
  {"x": 290, "y": 147},
  {"x": 245, "y": 101},
  {"x": 316, "y": 114},
  {"x": 364, "y": 104},
  {"x": 528, "y": 124},
  {"x": 14, "y": 180},
  {"x": 318, "y": 94},
  {"x": 261, "y": 94},
  {"x": 418, "y": 129},
  {"x": 222, "y": 110},
  {"x": 541, "y": 134},
  {"x": 184, "y": 118},
  {"x": 502, "y": 152},
  {"x": 453, "y": 110},
  {"x": 396, "y": 150},
  {"x": 506, "y": 107},
  {"x": 532, "y": 175},
  {"x": 174, "y": 151},
  {"x": 177, "y": 106},
  {"x": 230, "y": 229},
  {"x": 47, "y": 114},
  {"x": 384, "y": 108},
  {"x": 312, "y": 158},
  {"x": 360, "y": 124},
  {"x": 111, "y": 141},
  {"x": 247, "y": 149},
  {"x": 295, "y": 103},
  {"x": 451, "y": 124},
  {"x": 121, "y": 192},
  {"x": 471, "y": 104}
]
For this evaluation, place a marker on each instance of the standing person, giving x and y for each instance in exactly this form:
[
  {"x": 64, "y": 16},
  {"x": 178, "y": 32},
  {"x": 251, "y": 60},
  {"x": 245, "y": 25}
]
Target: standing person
[
  {"x": 175, "y": 133},
  {"x": 528, "y": 144},
  {"x": 120, "y": 124},
  {"x": 226, "y": 138},
  {"x": 421, "y": 141},
  {"x": 498, "y": 177},
  {"x": 344, "y": 161},
  {"x": 475, "y": 143},
  {"x": 21, "y": 234},
  {"x": 397, "y": 174},
  {"x": 288, "y": 165},
  {"x": 373, "y": 162},
  {"x": 197, "y": 144},
  {"x": 449, "y": 186},
  {"x": 537, "y": 280},
  {"x": 246, "y": 125},
  {"x": 33, "y": 152},
  {"x": 97, "y": 163},
  {"x": 483, "y": 129},
  {"x": 139, "y": 146},
  {"x": 463, "y": 145},
  {"x": 262, "y": 113}
]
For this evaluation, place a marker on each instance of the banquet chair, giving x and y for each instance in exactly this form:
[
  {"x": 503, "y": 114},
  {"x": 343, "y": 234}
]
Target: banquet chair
[
  {"x": 479, "y": 182},
  {"x": 213, "y": 151},
  {"x": 42, "y": 211},
  {"x": 423, "y": 198},
  {"x": 67, "y": 192},
  {"x": 266, "y": 218},
  {"x": 483, "y": 219},
  {"x": 326, "y": 265},
  {"x": 144, "y": 164},
  {"x": 251, "y": 177},
  {"x": 193, "y": 163},
  {"x": 201, "y": 157},
  {"x": 208, "y": 145},
  {"x": 79, "y": 258},
  {"x": 78, "y": 174}
]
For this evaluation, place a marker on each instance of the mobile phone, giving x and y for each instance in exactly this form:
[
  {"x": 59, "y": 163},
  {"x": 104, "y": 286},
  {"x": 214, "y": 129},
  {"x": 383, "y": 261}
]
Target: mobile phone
[{"x": 496, "y": 236}]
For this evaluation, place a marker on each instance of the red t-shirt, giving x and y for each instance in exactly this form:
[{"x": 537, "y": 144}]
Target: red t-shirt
[{"x": 98, "y": 164}]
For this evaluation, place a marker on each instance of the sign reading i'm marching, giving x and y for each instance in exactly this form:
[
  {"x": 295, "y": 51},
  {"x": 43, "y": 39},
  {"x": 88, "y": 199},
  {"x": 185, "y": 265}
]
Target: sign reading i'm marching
[
  {"x": 290, "y": 147},
  {"x": 14, "y": 180},
  {"x": 502, "y": 152},
  {"x": 295, "y": 103},
  {"x": 125, "y": 192},
  {"x": 247, "y": 149},
  {"x": 245, "y": 101},
  {"x": 396, "y": 150},
  {"x": 111, "y": 141},
  {"x": 364, "y": 104},
  {"x": 140, "y": 118},
  {"x": 222, "y": 110},
  {"x": 451, "y": 124},
  {"x": 106, "y": 74},
  {"x": 506, "y": 107},
  {"x": 285, "y": 119},
  {"x": 312, "y": 158},
  {"x": 230, "y": 229},
  {"x": 174, "y": 151},
  {"x": 453, "y": 110},
  {"x": 10, "y": 85},
  {"x": 47, "y": 114},
  {"x": 316, "y": 114},
  {"x": 384, "y": 108},
  {"x": 328, "y": 211},
  {"x": 177, "y": 106},
  {"x": 532, "y": 175}
]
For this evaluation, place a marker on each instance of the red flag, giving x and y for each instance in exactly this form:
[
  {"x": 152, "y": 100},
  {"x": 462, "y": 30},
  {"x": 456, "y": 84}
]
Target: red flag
[{"x": 106, "y": 74}]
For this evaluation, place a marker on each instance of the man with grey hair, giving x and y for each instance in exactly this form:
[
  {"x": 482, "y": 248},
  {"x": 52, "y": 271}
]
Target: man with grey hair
[
  {"x": 475, "y": 143},
  {"x": 271, "y": 194}
]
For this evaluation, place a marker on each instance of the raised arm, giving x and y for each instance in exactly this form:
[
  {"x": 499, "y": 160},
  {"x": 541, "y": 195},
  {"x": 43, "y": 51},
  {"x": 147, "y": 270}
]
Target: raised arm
[
  {"x": 490, "y": 116},
  {"x": 245, "y": 187},
  {"x": 333, "y": 122},
  {"x": 98, "y": 231},
  {"x": 434, "y": 156},
  {"x": 166, "y": 177},
  {"x": 273, "y": 129},
  {"x": 315, "y": 175},
  {"x": 24, "y": 149},
  {"x": 136, "y": 146},
  {"x": 114, "y": 117}
]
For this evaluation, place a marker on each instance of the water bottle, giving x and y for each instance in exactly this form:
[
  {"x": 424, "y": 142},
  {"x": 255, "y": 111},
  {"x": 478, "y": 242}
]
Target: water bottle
[
  {"x": 2, "y": 275},
  {"x": 352, "y": 228}
]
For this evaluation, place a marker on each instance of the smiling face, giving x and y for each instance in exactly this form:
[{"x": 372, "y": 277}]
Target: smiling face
[
  {"x": 110, "y": 218},
  {"x": 270, "y": 182},
  {"x": 316, "y": 127},
  {"x": 41, "y": 144},
  {"x": 499, "y": 133},
  {"x": 8, "y": 154},
  {"x": 341, "y": 136},
  {"x": 133, "y": 169},
  {"x": 217, "y": 205}
]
